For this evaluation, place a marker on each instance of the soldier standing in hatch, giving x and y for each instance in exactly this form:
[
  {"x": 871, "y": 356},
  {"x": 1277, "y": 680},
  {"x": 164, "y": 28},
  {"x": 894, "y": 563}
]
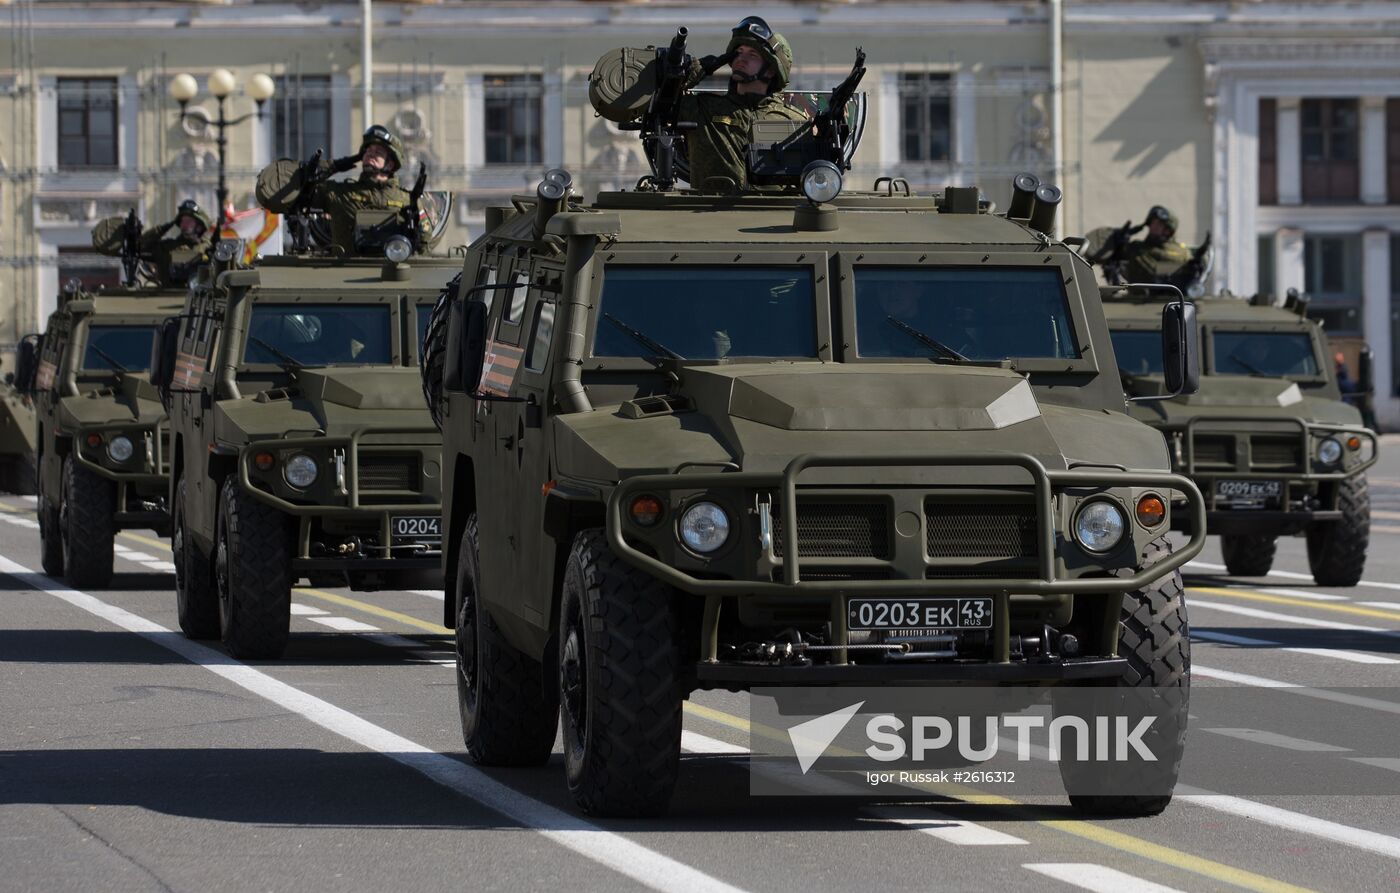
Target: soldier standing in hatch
[
  {"x": 376, "y": 189},
  {"x": 176, "y": 255},
  {"x": 1158, "y": 256}
]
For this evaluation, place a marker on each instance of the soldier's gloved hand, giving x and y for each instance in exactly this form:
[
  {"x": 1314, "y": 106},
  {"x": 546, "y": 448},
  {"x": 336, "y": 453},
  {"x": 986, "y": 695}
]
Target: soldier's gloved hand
[
  {"x": 711, "y": 64},
  {"x": 344, "y": 164}
]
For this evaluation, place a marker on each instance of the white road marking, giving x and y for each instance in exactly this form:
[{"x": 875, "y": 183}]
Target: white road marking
[
  {"x": 1289, "y": 618},
  {"x": 389, "y": 640},
  {"x": 1294, "y": 688},
  {"x": 704, "y": 744},
  {"x": 1356, "y": 657},
  {"x": 1228, "y": 638},
  {"x": 1302, "y": 593},
  {"x": 430, "y": 593},
  {"x": 164, "y": 566},
  {"x": 1273, "y": 739},
  {"x": 1390, "y": 763},
  {"x": 1097, "y": 878},
  {"x": 1357, "y": 838},
  {"x": 300, "y": 610},
  {"x": 1386, "y": 606},
  {"x": 942, "y": 826},
  {"x": 628, "y": 858},
  {"x": 133, "y": 555},
  {"x": 1291, "y": 575},
  {"x": 345, "y": 624}
]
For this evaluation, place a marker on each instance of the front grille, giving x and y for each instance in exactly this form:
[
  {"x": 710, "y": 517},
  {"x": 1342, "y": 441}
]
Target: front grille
[
  {"x": 392, "y": 472},
  {"x": 837, "y": 530},
  {"x": 1013, "y": 573},
  {"x": 980, "y": 530},
  {"x": 834, "y": 573},
  {"x": 1215, "y": 451},
  {"x": 1276, "y": 453}
]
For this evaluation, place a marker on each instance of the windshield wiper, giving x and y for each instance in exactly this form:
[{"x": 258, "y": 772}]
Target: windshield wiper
[
  {"x": 645, "y": 340},
  {"x": 107, "y": 358},
  {"x": 929, "y": 341},
  {"x": 1251, "y": 368},
  {"x": 289, "y": 363}
]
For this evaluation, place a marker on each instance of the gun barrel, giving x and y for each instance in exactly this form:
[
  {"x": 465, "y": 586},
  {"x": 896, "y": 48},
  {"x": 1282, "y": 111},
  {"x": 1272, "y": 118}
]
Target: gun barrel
[{"x": 676, "y": 53}]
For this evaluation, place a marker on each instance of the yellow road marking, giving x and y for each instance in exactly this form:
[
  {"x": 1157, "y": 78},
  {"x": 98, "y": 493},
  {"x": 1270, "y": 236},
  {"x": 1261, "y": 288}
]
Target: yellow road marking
[
  {"x": 377, "y": 611},
  {"x": 146, "y": 540},
  {"x": 1297, "y": 602},
  {"x": 14, "y": 509},
  {"x": 1228, "y": 874}
]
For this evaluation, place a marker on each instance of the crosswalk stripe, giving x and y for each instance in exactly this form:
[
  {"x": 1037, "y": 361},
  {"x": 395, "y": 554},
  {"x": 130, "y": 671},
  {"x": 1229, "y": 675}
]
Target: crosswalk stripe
[
  {"x": 344, "y": 624},
  {"x": 1274, "y": 739},
  {"x": 1097, "y": 878},
  {"x": 943, "y": 826}
]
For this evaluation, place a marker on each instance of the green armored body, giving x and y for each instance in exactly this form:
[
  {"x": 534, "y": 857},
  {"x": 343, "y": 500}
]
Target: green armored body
[
  {"x": 704, "y": 441},
  {"x": 301, "y": 449},
  {"x": 1267, "y": 437},
  {"x": 17, "y": 443}
]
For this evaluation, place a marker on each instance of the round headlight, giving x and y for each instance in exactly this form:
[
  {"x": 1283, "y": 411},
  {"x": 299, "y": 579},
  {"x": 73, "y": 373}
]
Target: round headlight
[
  {"x": 1329, "y": 452},
  {"x": 300, "y": 471},
  {"x": 704, "y": 527},
  {"x": 1099, "y": 526},
  {"x": 821, "y": 181},
  {"x": 398, "y": 249},
  {"x": 120, "y": 448}
]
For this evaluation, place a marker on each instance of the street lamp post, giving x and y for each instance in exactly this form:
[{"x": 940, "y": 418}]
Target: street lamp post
[{"x": 183, "y": 88}]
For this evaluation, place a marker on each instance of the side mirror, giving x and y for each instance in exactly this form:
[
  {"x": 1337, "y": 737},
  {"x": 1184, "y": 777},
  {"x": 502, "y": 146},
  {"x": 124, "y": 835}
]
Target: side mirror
[
  {"x": 26, "y": 363},
  {"x": 1181, "y": 349},
  {"x": 1366, "y": 371},
  {"x": 163, "y": 354}
]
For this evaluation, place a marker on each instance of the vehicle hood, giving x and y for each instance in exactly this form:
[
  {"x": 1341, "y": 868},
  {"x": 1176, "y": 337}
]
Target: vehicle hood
[
  {"x": 131, "y": 399},
  {"x": 333, "y": 401},
  {"x": 760, "y": 417},
  {"x": 1225, "y": 396}
]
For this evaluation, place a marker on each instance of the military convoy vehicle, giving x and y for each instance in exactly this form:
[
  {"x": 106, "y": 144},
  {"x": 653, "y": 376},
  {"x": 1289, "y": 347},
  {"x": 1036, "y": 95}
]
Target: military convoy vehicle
[
  {"x": 17, "y": 443},
  {"x": 301, "y": 448},
  {"x": 1267, "y": 437},
  {"x": 101, "y": 431},
  {"x": 816, "y": 437}
]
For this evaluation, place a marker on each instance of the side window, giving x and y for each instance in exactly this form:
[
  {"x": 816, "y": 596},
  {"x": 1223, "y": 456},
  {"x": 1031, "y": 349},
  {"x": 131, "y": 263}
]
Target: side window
[
  {"x": 516, "y": 308},
  {"x": 486, "y": 275},
  {"x": 542, "y": 333}
]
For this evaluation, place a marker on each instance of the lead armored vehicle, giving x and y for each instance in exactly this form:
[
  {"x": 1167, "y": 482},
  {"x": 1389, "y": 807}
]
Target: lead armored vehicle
[
  {"x": 17, "y": 439},
  {"x": 798, "y": 438},
  {"x": 101, "y": 429},
  {"x": 301, "y": 445},
  {"x": 1267, "y": 438}
]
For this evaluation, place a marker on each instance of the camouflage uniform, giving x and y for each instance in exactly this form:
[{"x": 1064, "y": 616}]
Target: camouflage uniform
[
  {"x": 174, "y": 254},
  {"x": 1150, "y": 261},
  {"x": 719, "y": 145},
  {"x": 342, "y": 198}
]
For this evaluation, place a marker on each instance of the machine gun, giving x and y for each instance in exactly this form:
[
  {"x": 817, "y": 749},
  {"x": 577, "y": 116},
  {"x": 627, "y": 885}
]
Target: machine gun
[
  {"x": 1110, "y": 254},
  {"x": 131, "y": 249},
  {"x": 412, "y": 215},
  {"x": 828, "y": 129},
  {"x": 299, "y": 218},
  {"x": 659, "y": 128}
]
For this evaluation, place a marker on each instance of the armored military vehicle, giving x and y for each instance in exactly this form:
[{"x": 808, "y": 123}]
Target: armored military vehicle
[
  {"x": 1267, "y": 437},
  {"x": 17, "y": 439},
  {"x": 783, "y": 437},
  {"x": 301, "y": 445},
  {"x": 101, "y": 430}
]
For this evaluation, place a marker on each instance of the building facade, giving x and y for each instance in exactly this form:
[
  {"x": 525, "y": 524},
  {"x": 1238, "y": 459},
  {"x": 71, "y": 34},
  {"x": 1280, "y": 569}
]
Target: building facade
[{"x": 1274, "y": 126}]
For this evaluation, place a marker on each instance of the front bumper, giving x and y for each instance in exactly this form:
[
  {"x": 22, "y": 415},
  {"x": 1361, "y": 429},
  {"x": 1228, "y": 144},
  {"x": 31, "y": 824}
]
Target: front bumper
[{"x": 739, "y": 676}]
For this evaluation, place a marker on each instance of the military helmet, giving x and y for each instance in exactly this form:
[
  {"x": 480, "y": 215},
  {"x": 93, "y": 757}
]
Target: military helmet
[
  {"x": 772, "y": 46},
  {"x": 1157, "y": 212},
  {"x": 190, "y": 208},
  {"x": 378, "y": 133}
]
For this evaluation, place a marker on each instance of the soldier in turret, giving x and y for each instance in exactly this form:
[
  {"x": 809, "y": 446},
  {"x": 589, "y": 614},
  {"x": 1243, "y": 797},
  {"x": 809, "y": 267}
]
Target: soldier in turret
[{"x": 177, "y": 247}]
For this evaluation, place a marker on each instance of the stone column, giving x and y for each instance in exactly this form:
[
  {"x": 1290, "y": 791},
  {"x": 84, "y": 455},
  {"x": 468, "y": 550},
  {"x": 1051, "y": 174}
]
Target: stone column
[
  {"x": 1288, "y": 261},
  {"x": 1376, "y": 319},
  {"x": 1372, "y": 149},
  {"x": 1290, "y": 155}
]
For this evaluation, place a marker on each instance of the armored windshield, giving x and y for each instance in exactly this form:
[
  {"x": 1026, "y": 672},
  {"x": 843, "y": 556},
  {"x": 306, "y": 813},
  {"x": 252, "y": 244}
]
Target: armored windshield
[
  {"x": 422, "y": 313},
  {"x": 1244, "y": 352},
  {"x": 706, "y": 313},
  {"x": 977, "y": 314},
  {"x": 118, "y": 348},
  {"x": 1139, "y": 351},
  {"x": 319, "y": 334}
]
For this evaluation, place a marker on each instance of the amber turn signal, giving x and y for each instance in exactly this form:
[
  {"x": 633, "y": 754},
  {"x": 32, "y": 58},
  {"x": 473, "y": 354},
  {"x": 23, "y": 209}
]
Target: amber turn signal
[
  {"x": 1150, "y": 511},
  {"x": 94, "y": 440},
  {"x": 1353, "y": 443},
  {"x": 645, "y": 510},
  {"x": 263, "y": 461}
]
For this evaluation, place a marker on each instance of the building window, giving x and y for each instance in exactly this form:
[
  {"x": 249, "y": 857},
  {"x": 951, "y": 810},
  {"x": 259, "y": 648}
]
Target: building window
[
  {"x": 925, "y": 117},
  {"x": 1267, "y": 284},
  {"x": 87, "y": 122},
  {"x": 301, "y": 116},
  {"x": 1331, "y": 133},
  {"x": 514, "y": 119},
  {"x": 1332, "y": 278},
  {"x": 1268, "y": 151},
  {"x": 1392, "y": 156},
  {"x": 91, "y": 269},
  {"x": 1394, "y": 313}
]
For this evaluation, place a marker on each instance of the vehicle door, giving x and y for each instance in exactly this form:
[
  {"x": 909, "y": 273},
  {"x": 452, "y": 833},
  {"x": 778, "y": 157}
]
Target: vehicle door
[{"x": 46, "y": 381}]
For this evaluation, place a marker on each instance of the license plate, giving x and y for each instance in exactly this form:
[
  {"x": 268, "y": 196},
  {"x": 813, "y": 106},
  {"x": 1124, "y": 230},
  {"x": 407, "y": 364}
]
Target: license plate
[
  {"x": 1251, "y": 494},
  {"x": 416, "y": 528},
  {"x": 918, "y": 613}
]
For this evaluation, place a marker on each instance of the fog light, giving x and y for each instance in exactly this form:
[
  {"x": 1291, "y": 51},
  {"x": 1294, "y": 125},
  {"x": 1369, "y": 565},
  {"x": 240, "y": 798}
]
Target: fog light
[
  {"x": 704, "y": 527},
  {"x": 1329, "y": 451},
  {"x": 1151, "y": 510},
  {"x": 300, "y": 471},
  {"x": 645, "y": 511},
  {"x": 263, "y": 461},
  {"x": 1099, "y": 526},
  {"x": 120, "y": 449}
]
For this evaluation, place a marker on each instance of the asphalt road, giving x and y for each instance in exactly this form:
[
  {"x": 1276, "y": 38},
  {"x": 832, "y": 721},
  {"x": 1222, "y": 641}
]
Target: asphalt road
[{"x": 134, "y": 759}]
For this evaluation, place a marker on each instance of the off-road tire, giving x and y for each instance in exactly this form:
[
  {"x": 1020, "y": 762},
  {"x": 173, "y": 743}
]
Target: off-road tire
[
  {"x": 196, "y": 598},
  {"x": 620, "y": 697},
  {"x": 87, "y": 527},
  {"x": 1248, "y": 555},
  {"x": 1337, "y": 549},
  {"x": 509, "y": 711},
  {"x": 1154, "y": 636},
  {"x": 252, "y": 570},
  {"x": 20, "y": 477},
  {"x": 50, "y": 539}
]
